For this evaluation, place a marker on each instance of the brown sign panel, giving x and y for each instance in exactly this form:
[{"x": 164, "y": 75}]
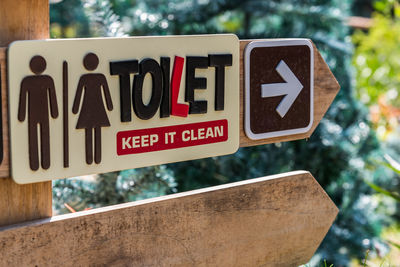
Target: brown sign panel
[{"x": 279, "y": 88}]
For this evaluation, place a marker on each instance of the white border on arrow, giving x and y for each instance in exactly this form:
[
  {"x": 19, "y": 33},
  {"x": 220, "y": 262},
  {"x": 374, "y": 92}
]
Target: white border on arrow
[{"x": 275, "y": 43}]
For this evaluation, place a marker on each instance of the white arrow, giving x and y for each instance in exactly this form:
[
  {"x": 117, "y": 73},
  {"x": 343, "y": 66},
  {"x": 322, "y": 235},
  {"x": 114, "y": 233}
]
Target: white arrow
[{"x": 291, "y": 88}]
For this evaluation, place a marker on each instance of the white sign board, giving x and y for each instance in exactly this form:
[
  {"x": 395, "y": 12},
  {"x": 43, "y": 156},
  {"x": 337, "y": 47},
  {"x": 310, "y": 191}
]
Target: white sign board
[{"x": 83, "y": 106}]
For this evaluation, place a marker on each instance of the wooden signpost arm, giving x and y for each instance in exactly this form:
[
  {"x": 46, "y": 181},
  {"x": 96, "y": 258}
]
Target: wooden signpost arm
[
  {"x": 278, "y": 220},
  {"x": 21, "y": 20}
]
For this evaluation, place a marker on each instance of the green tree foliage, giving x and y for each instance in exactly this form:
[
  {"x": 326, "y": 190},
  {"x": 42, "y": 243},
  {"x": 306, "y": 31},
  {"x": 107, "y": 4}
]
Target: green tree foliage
[
  {"x": 103, "y": 21},
  {"x": 376, "y": 58},
  {"x": 377, "y": 66},
  {"x": 378, "y": 81},
  {"x": 112, "y": 188},
  {"x": 68, "y": 19},
  {"x": 339, "y": 150}
]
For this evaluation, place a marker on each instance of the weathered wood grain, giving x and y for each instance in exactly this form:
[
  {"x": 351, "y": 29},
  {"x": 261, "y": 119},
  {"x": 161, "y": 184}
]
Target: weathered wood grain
[
  {"x": 325, "y": 89},
  {"x": 5, "y": 164},
  {"x": 20, "y": 20},
  {"x": 19, "y": 203},
  {"x": 278, "y": 220},
  {"x": 23, "y": 20}
]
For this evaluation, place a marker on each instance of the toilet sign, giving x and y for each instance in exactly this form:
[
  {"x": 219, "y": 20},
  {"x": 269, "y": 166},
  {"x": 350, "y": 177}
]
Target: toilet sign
[
  {"x": 279, "y": 77},
  {"x": 86, "y": 106}
]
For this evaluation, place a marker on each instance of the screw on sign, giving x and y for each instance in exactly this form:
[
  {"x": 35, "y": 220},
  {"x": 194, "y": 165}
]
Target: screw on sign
[{"x": 278, "y": 88}]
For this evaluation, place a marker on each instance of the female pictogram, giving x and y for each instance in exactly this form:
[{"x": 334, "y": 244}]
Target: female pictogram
[
  {"x": 92, "y": 115},
  {"x": 40, "y": 90}
]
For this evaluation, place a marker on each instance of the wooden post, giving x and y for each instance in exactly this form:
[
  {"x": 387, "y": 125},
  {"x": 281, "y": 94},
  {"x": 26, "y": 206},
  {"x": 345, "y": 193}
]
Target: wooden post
[{"x": 22, "y": 20}]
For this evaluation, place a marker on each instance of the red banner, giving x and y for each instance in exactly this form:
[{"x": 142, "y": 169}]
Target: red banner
[{"x": 170, "y": 137}]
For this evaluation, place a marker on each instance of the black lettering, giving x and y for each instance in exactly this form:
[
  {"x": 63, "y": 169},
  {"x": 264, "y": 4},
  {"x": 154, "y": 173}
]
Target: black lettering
[
  {"x": 123, "y": 69},
  {"x": 165, "y": 102},
  {"x": 220, "y": 62},
  {"x": 192, "y": 82},
  {"x": 143, "y": 111}
]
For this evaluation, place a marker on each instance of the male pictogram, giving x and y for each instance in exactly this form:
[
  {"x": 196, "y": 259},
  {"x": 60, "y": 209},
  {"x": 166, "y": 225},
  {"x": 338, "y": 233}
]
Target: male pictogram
[
  {"x": 92, "y": 115},
  {"x": 40, "y": 91}
]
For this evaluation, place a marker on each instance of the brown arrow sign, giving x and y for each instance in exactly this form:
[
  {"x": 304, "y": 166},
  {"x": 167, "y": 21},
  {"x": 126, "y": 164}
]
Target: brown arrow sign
[
  {"x": 306, "y": 111},
  {"x": 279, "y": 88},
  {"x": 278, "y": 220}
]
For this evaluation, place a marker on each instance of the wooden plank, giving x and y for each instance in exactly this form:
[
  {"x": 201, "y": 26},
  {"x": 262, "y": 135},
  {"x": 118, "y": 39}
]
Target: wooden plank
[
  {"x": 20, "y": 20},
  {"x": 278, "y": 220},
  {"x": 325, "y": 89},
  {"x": 19, "y": 203},
  {"x": 23, "y": 20},
  {"x": 5, "y": 164},
  {"x": 362, "y": 23}
]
